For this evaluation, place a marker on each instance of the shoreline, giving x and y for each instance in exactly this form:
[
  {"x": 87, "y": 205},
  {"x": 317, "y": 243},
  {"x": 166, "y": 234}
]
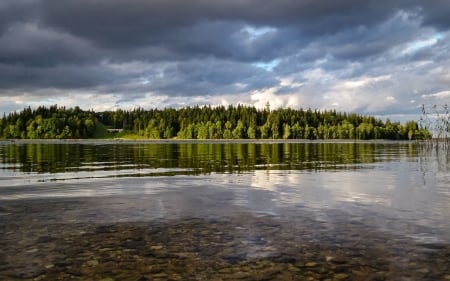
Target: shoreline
[{"x": 197, "y": 141}]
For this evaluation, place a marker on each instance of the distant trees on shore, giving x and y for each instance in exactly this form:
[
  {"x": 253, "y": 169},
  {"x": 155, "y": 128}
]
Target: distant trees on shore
[
  {"x": 48, "y": 123},
  {"x": 206, "y": 122}
]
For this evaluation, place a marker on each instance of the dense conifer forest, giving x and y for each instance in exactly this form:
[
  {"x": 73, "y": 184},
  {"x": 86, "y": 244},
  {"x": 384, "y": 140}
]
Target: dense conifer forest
[{"x": 207, "y": 122}]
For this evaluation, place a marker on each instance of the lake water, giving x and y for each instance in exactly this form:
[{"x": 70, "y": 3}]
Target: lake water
[{"x": 92, "y": 210}]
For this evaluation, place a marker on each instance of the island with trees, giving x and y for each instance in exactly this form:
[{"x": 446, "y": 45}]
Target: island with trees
[{"x": 203, "y": 122}]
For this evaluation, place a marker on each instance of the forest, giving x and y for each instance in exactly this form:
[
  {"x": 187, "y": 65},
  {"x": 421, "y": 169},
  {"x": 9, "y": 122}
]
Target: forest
[{"x": 203, "y": 122}]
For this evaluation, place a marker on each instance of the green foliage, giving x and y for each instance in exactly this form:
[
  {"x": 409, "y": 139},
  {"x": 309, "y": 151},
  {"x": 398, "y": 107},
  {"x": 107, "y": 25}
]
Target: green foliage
[
  {"x": 240, "y": 132},
  {"x": 101, "y": 131},
  {"x": 232, "y": 122},
  {"x": 48, "y": 123}
]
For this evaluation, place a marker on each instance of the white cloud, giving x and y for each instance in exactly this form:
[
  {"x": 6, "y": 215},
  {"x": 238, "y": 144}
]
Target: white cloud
[
  {"x": 289, "y": 82},
  {"x": 356, "y": 94},
  {"x": 438, "y": 95},
  {"x": 262, "y": 97},
  {"x": 390, "y": 98},
  {"x": 290, "y": 96},
  {"x": 83, "y": 99},
  {"x": 360, "y": 83}
]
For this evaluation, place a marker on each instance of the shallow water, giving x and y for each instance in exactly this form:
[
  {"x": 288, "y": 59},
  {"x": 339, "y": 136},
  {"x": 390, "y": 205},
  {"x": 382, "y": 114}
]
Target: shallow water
[{"x": 218, "y": 211}]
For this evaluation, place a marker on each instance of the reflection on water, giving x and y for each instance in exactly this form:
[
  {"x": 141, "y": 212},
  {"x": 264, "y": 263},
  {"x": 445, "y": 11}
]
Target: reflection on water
[
  {"x": 140, "y": 159},
  {"x": 217, "y": 211}
]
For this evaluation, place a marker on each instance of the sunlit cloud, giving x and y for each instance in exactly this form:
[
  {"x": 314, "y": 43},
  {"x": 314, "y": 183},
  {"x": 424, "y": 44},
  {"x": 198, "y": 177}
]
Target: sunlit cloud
[{"x": 439, "y": 95}]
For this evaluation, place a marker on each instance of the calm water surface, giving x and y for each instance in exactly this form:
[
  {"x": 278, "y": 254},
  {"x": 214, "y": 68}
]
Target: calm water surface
[{"x": 223, "y": 211}]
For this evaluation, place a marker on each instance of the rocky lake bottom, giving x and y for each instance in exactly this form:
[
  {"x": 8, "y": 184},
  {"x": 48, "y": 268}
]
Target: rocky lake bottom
[{"x": 239, "y": 245}]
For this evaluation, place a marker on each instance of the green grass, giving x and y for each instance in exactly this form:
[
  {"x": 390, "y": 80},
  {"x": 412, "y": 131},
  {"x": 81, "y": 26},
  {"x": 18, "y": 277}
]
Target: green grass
[
  {"x": 128, "y": 136},
  {"x": 101, "y": 131}
]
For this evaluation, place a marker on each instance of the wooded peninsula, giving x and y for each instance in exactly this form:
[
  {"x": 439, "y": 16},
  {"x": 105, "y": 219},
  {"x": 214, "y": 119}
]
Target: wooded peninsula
[{"x": 202, "y": 122}]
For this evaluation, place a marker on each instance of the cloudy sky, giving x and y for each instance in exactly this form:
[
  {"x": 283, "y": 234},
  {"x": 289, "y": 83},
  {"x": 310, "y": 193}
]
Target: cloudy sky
[{"x": 380, "y": 57}]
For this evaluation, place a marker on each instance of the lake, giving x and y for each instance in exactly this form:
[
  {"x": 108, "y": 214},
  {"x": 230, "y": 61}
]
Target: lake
[{"x": 112, "y": 210}]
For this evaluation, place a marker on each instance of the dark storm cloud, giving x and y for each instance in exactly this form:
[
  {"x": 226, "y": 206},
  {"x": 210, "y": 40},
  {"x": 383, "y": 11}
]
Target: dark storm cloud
[
  {"x": 206, "y": 47},
  {"x": 31, "y": 45},
  {"x": 63, "y": 77},
  {"x": 436, "y": 13},
  {"x": 199, "y": 27},
  {"x": 209, "y": 77},
  {"x": 139, "y": 21},
  {"x": 361, "y": 43},
  {"x": 13, "y": 11},
  {"x": 199, "y": 23}
]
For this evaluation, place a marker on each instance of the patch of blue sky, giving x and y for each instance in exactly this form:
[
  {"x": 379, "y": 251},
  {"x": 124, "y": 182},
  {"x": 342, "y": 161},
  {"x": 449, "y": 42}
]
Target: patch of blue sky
[
  {"x": 269, "y": 66},
  {"x": 255, "y": 32},
  {"x": 421, "y": 44}
]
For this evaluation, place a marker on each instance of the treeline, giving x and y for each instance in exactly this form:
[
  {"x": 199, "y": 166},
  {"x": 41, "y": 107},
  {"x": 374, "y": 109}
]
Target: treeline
[
  {"x": 48, "y": 123},
  {"x": 232, "y": 122}
]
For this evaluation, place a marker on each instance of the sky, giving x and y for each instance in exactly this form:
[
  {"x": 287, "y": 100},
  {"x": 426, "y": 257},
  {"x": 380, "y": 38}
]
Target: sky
[{"x": 376, "y": 57}]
